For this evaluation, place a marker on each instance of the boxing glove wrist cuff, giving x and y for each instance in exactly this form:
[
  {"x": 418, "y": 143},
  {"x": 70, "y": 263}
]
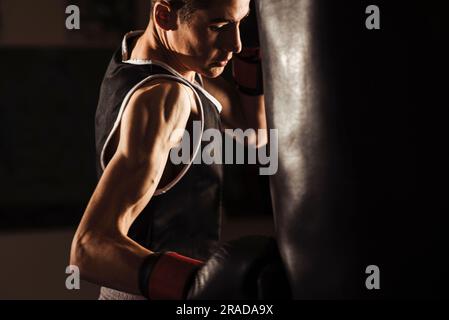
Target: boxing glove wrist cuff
[
  {"x": 247, "y": 72},
  {"x": 145, "y": 270},
  {"x": 167, "y": 276}
]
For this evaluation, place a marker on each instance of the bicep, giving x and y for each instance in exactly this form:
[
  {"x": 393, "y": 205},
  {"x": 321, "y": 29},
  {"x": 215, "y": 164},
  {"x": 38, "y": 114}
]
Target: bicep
[
  {"x": 124, "y": 190},
  {"x": 131, "y": 177}
]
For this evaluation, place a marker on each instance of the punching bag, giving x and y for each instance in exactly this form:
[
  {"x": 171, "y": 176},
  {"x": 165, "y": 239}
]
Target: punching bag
[
  {"x": 306, "y": 189},
  {"x": 349, "y": 106}
]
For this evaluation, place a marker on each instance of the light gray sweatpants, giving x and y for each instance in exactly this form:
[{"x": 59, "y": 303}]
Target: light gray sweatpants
[{"x": 111, "y": 294}]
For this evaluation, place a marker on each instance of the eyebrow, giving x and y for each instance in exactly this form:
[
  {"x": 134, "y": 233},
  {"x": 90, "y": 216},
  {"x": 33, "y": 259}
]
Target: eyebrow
[{"x": 221, "y": 20}]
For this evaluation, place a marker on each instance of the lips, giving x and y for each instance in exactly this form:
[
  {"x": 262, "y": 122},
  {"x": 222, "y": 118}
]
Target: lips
[{"x": 222, "y": 63}]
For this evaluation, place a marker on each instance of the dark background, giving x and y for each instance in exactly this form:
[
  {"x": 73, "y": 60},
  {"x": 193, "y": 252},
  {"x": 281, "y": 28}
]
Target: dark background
[{"x": 402, "y": 149}]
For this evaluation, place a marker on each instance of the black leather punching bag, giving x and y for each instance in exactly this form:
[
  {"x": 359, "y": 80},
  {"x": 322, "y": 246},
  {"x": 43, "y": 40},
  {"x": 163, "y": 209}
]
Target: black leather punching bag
[{"x": 350, "y": 105}]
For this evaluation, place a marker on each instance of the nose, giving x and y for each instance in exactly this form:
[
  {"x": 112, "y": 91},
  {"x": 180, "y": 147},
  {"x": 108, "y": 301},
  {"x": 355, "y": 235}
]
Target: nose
[{"x": 233, "y": 42}]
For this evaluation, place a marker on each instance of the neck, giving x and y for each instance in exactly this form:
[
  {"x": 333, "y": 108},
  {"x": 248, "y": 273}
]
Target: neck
[{"x": 150, "y": 47}]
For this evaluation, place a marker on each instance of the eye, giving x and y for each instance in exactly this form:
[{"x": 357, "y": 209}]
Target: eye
[{"x": 217, "y": 28}]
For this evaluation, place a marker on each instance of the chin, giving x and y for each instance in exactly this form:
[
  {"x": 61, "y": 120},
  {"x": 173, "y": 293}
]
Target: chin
[{"x": 213, "y": 72}]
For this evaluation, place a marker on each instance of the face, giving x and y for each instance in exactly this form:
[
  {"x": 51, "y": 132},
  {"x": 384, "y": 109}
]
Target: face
[{"x": 206, "y": 42}]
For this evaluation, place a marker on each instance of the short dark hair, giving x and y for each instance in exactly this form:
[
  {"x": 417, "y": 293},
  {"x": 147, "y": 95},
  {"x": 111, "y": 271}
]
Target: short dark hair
[{"x": 185, "y": 7}]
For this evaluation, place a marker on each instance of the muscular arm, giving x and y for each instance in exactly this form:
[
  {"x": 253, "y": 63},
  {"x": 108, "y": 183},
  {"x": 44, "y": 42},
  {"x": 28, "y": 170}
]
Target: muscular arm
[
  {"x": 239, "y": 111},
  {"x": 101, "y": 248}
]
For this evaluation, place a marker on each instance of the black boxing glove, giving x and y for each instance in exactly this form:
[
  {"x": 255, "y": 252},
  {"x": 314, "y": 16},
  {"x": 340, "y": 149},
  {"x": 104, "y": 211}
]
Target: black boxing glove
[
  {"x": 241, "y": 269},
  {"x": 272, "y": 283},
  {"x": 247, "y": 268}
]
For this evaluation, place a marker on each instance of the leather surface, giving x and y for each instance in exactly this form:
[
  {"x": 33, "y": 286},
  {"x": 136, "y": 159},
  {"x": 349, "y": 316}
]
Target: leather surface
[{"x": 357, "y": 111}]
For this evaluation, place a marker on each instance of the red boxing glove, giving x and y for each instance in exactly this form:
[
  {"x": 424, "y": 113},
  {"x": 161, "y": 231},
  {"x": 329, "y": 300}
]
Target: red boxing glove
[
  {"x": 247, "y": 67},
  {"x": 247, "y": 71},
  {"x": 165, "y": 276}
]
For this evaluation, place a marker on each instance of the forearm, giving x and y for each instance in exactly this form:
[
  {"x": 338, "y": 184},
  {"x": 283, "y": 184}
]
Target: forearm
[
  {"x": 253, "y": 110},
  {"x": 101, "y": 249},
  {"x": 247, "y": 73},
  {"x": 110, "y": 261}
]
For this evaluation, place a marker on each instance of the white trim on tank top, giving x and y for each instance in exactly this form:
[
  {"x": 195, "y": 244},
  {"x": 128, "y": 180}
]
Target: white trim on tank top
[
  {"x": 125, "y": 59},
  {"x": 196, "y": 146}
]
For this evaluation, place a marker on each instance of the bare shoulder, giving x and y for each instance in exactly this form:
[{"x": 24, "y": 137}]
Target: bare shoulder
[
  {"x": 152, "y": 117},
  {"x": 168, "y": 97},
  {"x": 162, "y": 103}
]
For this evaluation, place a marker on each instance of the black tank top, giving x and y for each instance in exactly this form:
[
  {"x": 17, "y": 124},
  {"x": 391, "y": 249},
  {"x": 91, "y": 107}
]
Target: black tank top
[{"x": 186, "y": 217}]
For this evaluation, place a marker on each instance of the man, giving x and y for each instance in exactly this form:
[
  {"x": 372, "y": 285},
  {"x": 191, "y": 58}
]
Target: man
[{"x": 163, "y": 80}]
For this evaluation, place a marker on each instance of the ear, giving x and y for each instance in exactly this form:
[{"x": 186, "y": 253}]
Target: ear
[{"x": 165, "y": 16}]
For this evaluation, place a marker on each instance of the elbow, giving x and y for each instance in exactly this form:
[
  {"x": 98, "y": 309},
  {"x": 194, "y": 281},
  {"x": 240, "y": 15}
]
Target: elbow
[
  {"x": 76, "y": 253},
  {"x": 81, "y": 254}
]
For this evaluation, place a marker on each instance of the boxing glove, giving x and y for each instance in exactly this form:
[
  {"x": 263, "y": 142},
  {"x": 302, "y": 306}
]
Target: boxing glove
[
  {"x": 235, "y": 270},
  {"x": 246, "y": 65}
]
